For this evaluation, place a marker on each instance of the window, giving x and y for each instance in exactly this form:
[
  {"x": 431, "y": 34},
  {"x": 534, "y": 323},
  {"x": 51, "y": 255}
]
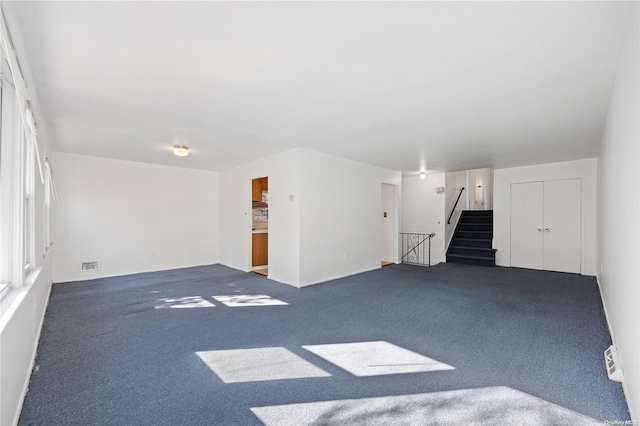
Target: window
[
  {"x": 10, "y": 169},
  {"x": 28, "y": 222},
  {"x": 18, "y": 155},
  {"x": 48, "y": 196},
  {"x": 17, "y": 184},
  {"x": 5, "y": 154}
]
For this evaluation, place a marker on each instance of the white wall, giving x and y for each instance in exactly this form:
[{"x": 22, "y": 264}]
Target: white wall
[
  {"x": 341, "y": 224},
  {"x": 619, "y": 212},
  {"x": 453, "y": 183},
  {"x": 283, "y": 171},
  {"x": 22, "y": 309},
  {"x": 132, "y": 217},
  {"x": 423, "y": 210},
  {"x": 335, "y": 210},
  {"x": 503, "y": 178},
  {"x": 22, "y": 313}
]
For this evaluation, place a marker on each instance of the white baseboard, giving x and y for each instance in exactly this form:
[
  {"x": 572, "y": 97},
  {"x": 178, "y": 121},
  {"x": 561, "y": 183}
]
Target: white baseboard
[{"x": 613, "y": 340}]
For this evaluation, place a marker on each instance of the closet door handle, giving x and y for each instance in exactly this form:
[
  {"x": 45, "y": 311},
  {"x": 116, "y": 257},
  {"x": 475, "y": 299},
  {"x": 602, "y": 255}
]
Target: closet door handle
[
  {"x": 539, "y": 230},
  {"x": 546, "y": 229}
]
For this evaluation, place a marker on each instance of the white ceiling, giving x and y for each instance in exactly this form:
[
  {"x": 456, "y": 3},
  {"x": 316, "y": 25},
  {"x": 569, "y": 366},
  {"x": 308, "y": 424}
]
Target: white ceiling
[{"x": 446, "y": 86}]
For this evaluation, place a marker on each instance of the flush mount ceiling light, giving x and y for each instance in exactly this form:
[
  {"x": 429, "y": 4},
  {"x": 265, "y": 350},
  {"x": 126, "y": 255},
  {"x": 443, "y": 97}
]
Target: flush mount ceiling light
[
  {"x": 181, "y": 150},
  {"x": 423, "y": 174}
]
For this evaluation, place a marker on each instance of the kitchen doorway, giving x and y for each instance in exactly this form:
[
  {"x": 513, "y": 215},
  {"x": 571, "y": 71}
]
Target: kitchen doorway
[{"x": 260, "y": 226}]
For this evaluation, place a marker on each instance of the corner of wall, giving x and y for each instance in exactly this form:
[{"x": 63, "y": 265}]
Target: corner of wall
[{"x": 617, "y": 221}]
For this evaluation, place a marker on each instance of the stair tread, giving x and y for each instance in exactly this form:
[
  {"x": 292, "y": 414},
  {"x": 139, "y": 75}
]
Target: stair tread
[
  {"x": 473, "y": 248},
  {"x": 477, "y": 236},
  {"x": 463, "y": 256}
]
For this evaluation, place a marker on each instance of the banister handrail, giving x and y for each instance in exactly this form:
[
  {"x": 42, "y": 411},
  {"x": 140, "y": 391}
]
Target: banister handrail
[
  {"x": 413, "y": 248},
  {"x": 454, "y": 206},
  {"x": 413, "y": 244}
]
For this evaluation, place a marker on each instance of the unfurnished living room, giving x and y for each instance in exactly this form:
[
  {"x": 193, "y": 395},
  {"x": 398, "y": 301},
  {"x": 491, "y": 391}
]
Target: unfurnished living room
[{"x": 319, "y": 213}]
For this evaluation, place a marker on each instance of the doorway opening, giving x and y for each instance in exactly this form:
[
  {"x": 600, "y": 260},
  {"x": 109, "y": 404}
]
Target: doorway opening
[
  {"x": 260, "y": 226},
  {"x": 389, "y": 239},
  {"x": 480, "y": 185}
]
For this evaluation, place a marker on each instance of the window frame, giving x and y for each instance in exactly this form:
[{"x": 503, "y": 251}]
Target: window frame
[
  {"x": 11, "y": 172},
  {"x": 17, "y": 186},
  {"x": 18, "y": 157},
  {"x": 48, "y": 198},
  {"x": 5, "y": 193},
  {"x": 28, "y": 223}
]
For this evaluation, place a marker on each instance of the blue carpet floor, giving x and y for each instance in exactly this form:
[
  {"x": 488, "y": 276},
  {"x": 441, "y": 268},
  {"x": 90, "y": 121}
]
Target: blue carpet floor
[{"x": 111, "y": 354}]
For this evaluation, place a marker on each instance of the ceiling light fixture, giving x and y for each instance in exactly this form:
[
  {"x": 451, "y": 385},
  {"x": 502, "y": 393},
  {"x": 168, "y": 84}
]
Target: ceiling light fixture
[
  {"x": 423, "y": 174},
  {"x": 181, "y": 150}
]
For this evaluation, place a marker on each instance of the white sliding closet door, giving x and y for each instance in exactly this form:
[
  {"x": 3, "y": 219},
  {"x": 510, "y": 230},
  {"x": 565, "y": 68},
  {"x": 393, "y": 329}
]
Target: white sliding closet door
[
  {"x": 526, "y": 225},
  {"x": 562, "y": 212}
]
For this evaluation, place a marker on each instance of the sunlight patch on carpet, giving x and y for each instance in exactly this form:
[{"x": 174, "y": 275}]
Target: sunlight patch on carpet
[
  {"x": 499, "y": 405},
  {"x": 376, "y": 358},
  {"x": 255, "y": 365},
  {"x": 183, "y": 302},
  {"x": 249, "y": 300}
]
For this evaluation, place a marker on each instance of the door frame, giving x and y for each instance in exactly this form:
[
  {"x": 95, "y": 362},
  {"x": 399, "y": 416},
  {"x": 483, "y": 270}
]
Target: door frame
[
  {"x": 581, "y": 244},
  {"x": 396, "y": 222},
  {"x": 250, "y": 266}
]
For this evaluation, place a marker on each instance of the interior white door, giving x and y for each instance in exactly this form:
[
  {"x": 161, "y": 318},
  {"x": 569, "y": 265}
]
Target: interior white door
[
  {"x": 388, "y": 220},
  {"x": 527, "y": 225},
  {"x": 562, "y": 213}
]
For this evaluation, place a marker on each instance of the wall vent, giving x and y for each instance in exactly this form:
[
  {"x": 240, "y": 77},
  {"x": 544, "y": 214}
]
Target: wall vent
[
  {"x": 612, "y": 362},
  {"x": 90, "y": 266}
]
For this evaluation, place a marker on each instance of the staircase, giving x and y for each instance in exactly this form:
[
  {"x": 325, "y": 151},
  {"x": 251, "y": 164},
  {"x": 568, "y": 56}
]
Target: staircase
[{"x": 471, "y": 242}]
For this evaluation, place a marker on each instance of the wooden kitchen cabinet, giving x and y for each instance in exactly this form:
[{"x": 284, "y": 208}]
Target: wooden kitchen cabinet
[
  {"x": 256, "y": 190},
  {"x": 260, "y": 251},
  {"x": 257, "y": 186}
]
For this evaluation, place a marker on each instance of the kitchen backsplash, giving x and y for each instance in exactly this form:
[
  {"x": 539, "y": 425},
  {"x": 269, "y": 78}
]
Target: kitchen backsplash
[{"x": 261, "y": 214}]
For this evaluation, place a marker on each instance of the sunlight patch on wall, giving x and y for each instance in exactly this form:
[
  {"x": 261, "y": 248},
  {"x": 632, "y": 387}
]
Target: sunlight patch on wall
[
  {"x": 249, "y": 300},
  {"x": 255, "y": 365},
  {"x": 183, "y": 302},
  {"x": 376, "y": 358}
]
